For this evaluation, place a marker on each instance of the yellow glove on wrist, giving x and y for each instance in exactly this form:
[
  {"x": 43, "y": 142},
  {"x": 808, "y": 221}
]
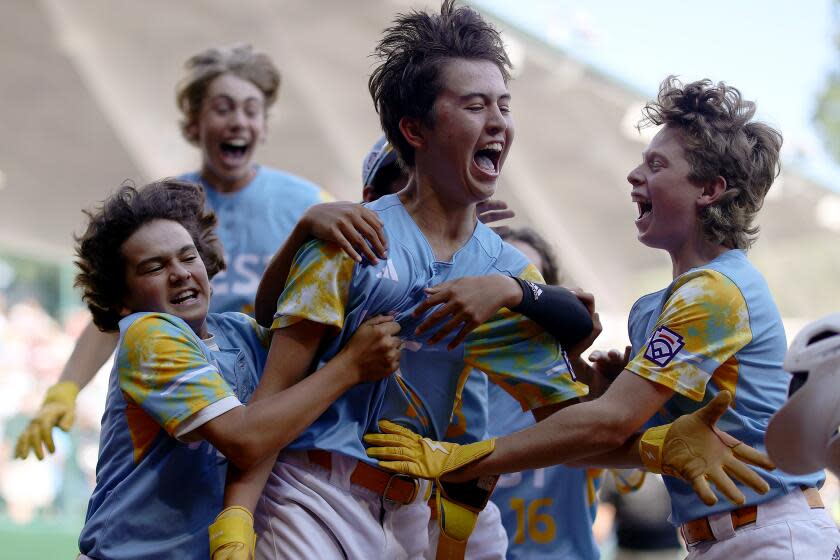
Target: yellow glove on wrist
[
  {"x": 58, "y": 409},
  {"x": 693, "y": 449},
  {"x": 232, "y": 535},
  {"x": 458, "y": 508},
  {"x": 400, "y": 450}
]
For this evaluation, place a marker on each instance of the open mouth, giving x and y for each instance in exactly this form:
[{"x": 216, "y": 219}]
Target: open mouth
[
  {"x": 234, "y": 149},
  {"x": 185, "y": 296},
  {"x": 487, "y": 158},
  {"x": 644, "y": 208}
]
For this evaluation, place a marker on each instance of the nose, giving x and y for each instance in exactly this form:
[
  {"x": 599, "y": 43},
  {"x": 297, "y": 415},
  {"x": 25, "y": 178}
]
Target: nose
[
  {"x": 238, "y": 118},
  {"x": 496, "y": 121},
  {"x": 178, "y": 273},
  {"x": 635, "y": 176}
]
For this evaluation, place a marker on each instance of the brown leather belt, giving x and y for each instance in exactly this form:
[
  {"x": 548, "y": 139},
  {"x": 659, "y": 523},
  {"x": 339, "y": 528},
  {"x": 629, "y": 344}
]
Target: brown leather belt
[
  {"x": 393, "y": 487},
  {"x": 699, "y": 530}
]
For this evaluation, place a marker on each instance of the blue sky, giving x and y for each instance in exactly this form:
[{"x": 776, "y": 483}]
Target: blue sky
[{"x": 776, "y": 52}]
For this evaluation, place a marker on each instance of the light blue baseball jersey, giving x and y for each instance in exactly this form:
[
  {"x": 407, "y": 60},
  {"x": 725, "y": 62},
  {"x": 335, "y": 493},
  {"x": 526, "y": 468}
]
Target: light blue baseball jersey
[
  {"x": 253, "y": 224},
  {"x": 156, "y": 495},
  {"x": 547, "y": 513},
  {"x": 716, "y": 327},
  {"x": 327, "y": 287}
]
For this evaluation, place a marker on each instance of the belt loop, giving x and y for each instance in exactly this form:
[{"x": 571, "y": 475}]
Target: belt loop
[
  {"x": 399, "y": 476},
  {"x": 721, "y": 525}
]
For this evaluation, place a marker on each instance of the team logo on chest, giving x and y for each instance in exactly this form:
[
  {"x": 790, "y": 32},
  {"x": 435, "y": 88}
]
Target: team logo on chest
[
  {"x": 663, "y": 346},
  {"x": 388, "y": 272}
]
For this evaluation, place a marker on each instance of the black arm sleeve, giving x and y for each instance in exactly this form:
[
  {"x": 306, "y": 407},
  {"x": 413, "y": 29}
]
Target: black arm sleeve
[{"x": 555, "y": 309}]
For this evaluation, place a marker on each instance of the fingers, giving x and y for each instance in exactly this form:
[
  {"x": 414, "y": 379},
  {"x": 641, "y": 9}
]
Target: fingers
[
  {"x": 627, "y": 350},
  {"x": 446, "y": 329},
  {"x": 433, "y": 319},
  {"x": 586, "y": 298},
  {"x": 715, "y": 408},
  {"x": 490, "y": 204},
  {"x": 357, "y": 242},
  {"x": 347, "y": 247},
  {"x": 403, "y": 467},
  {"x": 385, "y": 453},
  {"x": 462, "y": 335},
  {"x": 65, "y": 421},
  {"x": 22, "y": 445},
  {"x": 379, "y": 319},
  {"x": 703, "y": 490},
  {"x": 388, "y": 427},
  {"x": 752, "y": 456},
  {"x": 434, "y": 296},
  {"x": 492, "y": 216},
  {"x": 380, "y": 240},
  {"x": 746, "y": 475},
  {"x": 725, "y": 485},
  {"x": 46, "y": 438}
]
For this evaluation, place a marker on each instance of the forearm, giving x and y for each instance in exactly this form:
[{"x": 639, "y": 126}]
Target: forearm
[
  {"x": 275, "y": 275},
  {"x": 569, "y": 434},
  {"x": 243, "y": 488},
  {"x": 92, "y": 350},
  {"x": 626, "y": 456},
  {"x": 269, "y": 423},
  {"x": 580, "y": 431},
  {"x": 555, "y": 309}
]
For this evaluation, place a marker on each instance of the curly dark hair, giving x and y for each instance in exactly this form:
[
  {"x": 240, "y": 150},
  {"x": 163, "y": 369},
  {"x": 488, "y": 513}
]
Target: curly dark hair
[
  {"x": 99, "y": 249},
  {"x": 550, "y": 269},
  {"x": 413, "y": 52},
  {"x": 721, "y": 139},
  {"x": 206, "y": 66}
]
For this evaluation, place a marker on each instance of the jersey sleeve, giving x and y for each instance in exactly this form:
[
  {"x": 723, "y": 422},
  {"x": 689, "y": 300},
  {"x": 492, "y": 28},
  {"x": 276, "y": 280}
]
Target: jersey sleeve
[
  {"x": 702, "y": 325},
  {"x": 317, "y": 288},
  {"x": 522, "y": 358},
  {"x": 163, "y": 369}
]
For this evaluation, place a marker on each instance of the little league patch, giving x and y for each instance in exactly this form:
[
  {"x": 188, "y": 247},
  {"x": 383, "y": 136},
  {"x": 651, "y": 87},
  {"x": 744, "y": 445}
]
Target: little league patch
[{"x": 663, "y": 346}]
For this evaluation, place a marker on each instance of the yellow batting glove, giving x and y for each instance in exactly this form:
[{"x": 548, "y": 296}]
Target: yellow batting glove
[
  {"x": 232, "y": 535},
  {"x": 693, "y": 449},
  {"x": 58, "y": 409},
  {"x": 400, "y": 450}
]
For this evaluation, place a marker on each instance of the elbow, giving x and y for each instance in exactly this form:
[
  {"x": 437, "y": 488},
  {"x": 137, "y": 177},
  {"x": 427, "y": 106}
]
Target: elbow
[
  {"x": 262, "y": 312},
  {"x": 613, "y": 433},
  {"x": 245, "y": 453}
]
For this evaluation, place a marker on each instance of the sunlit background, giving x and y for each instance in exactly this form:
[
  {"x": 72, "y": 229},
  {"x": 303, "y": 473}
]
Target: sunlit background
[{"x": 87, "y": 102}]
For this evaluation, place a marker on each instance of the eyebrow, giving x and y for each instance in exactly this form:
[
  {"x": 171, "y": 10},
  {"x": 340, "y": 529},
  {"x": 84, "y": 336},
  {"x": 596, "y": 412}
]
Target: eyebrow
[
  {"x": 226, "y": 97},
  {"x": 484, "y": 96}
]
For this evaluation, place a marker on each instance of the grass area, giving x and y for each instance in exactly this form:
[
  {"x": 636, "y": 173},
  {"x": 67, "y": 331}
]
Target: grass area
[{"x": 40, "y": 539}]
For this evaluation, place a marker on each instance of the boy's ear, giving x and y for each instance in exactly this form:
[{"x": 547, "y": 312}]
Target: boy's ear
[
  {"x": 412, "y": 130},
  {"x": 192, "y": 130},
  {"x": 368, "y": 193},
  {"x": 712, "y": 192}
]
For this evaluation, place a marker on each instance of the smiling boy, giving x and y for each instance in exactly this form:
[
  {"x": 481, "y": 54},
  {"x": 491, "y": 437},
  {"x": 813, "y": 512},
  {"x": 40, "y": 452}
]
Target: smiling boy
[
  {"x": 713, "y": 330},
  {"x": 181, "y": 376},
  {"x": 441, "y": 92}
]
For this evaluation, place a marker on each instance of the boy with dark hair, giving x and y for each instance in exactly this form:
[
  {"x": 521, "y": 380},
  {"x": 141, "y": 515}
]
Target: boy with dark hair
[
  {"x": 181, "y": 375},
  {"x": 712, "y": 335},
  {"x": 442, "y": 96},
  {"x": 224, "y": 98}
]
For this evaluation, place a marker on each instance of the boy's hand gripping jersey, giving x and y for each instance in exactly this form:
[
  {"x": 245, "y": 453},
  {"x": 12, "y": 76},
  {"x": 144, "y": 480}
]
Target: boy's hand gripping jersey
[{"x": 327, "y": 287}]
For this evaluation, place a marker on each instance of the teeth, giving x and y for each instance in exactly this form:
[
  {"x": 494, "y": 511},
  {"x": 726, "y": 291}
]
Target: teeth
[
  {"x": 237, "y": 142},
  {"x": 493, "y": 146},
  {"x": 184, "y": 295}
]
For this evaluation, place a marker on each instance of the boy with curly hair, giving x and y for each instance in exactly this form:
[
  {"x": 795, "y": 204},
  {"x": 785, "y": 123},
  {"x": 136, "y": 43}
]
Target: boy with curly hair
[
  {"x": 712, "y": 335},
  {"x": 181, "y": 376}
]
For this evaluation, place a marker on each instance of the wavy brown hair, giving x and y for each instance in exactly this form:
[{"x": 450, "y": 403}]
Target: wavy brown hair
[
  {"x": 720, "y": 138},
  {"x": 413, "y": 52},
  {"x": 99, "y": 253},
  {"x": 206, "y": 66}
]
